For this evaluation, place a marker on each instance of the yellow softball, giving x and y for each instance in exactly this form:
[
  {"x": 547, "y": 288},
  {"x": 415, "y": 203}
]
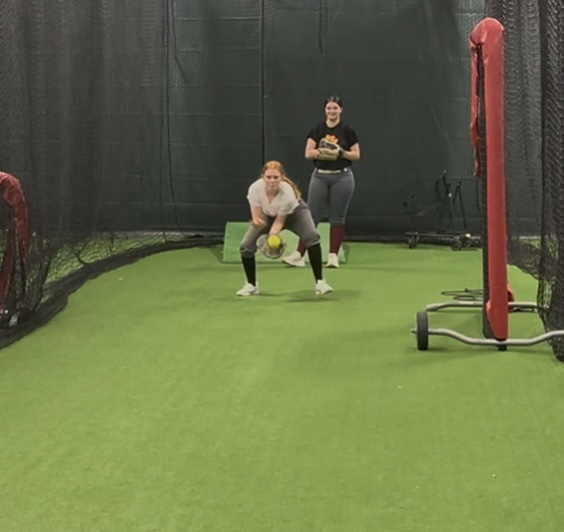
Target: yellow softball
[{"x": 273, "y": 241}]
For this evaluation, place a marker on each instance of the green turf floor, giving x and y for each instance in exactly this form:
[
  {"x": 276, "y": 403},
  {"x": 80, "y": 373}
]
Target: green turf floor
[{"x": 158, "y": 401}]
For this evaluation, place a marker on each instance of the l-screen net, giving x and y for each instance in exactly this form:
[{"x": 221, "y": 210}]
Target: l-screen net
[
  {"x": 532, "y": 107},
  {"x": 516, "y": 130}
]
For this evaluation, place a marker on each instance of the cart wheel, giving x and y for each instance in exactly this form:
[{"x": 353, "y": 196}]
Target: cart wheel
[
  {"x": 422, "y": 331},
  {"x": 456, "y": 244},
  {"x": 412, "y": 242},
  {"x": 467, "y": 240}
]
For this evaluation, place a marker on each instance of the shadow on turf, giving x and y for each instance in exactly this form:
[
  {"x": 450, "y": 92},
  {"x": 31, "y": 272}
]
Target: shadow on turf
[
  {"x": 307, "y": 296},
  {"x": 299, "y": 296},
  {"x": 459, "y": 351},
  {"x": 217, "y": 253}
]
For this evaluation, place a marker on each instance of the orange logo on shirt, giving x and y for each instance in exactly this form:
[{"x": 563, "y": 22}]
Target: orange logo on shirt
[{"x": 332, "y": 138}]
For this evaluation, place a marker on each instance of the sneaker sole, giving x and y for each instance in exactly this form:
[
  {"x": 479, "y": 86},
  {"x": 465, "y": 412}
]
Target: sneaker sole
[
  {"x": 320, "y": 293},
  {"x": 293, "y": 265}
]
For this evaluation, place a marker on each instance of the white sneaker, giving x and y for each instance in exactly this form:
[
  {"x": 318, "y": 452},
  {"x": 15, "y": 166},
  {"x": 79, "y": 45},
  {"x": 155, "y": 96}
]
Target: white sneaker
[
  {"x": 249, "y": 290},
  {"x": 332, "y": 260},
  {"x": 294, "y": 259},
  {"x": 321, "y": 287}
]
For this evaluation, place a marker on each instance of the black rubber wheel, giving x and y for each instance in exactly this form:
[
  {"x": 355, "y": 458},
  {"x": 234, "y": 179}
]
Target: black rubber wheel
[
  {"x": 467, "y": 241},
  {"x": 412, "y": 242},
  {"x": 422, "y": 331},
  {"x": 456, "y": 244}
]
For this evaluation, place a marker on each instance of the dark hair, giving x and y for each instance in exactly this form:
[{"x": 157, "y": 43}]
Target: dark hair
[{"x": 334, "y": 99}]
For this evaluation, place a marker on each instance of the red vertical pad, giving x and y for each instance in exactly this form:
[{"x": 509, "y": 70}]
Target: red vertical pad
[
  {"x": 17, "y": 235},
  {"x": 487, "y": 38}
]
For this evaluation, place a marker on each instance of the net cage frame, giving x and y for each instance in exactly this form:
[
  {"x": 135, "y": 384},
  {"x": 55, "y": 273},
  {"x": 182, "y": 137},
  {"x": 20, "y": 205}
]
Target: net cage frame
[{"x": 487, "y": 134}]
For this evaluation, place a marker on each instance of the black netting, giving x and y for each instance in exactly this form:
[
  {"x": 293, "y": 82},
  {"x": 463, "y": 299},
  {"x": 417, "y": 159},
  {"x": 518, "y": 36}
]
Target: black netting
[
  {"x": 523, "y": 126},
  {"x": 534, "y": 122},
  {"x": 137, "y": 127},
  {"x": 86, "y": 129},
  {"x": 551, "y": 265},
  {"x": 482, "y": 176},
  {"x": 401, "y": 68}
]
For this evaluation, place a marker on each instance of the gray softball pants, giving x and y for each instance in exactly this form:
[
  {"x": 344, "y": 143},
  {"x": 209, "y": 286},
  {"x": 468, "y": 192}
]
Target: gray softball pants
[
  {"x": 300, "y": 222},
  {"x": 330, "y": 195}
]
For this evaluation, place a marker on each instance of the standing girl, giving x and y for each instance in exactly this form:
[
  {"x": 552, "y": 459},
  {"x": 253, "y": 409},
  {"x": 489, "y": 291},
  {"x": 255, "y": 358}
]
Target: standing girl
[{"x": 332, "y": 145}]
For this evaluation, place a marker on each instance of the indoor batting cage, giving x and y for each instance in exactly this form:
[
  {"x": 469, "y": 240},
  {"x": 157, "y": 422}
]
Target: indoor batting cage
[
  {"x": 135, "y": 128},
  {"x": 261, "y": 260},
  {"x": 517, "y": 118}
]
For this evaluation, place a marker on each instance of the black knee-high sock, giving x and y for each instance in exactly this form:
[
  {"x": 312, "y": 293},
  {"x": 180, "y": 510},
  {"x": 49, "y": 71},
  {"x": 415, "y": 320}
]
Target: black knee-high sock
[
  {"x": 314, "y": 254},
  {"x": 250, "y": 267}
]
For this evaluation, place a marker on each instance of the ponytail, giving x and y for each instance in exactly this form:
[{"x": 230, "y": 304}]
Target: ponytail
[{"x": 294, "y": 186}]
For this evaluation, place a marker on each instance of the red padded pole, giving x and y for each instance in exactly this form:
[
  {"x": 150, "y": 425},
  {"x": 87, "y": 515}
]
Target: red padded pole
[{"x": 488, "y": 35}]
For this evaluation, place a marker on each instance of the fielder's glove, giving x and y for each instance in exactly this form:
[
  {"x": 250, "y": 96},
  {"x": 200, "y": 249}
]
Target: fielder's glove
[
  {"x": 271, "y": 246},
  {"x": 329, "y": 151}
]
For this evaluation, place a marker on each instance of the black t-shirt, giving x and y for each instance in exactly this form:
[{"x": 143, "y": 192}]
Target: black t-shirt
[{"x": 343, "y": 134}]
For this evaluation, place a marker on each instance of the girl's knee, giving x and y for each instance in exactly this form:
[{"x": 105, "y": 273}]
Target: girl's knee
[
  {"x": 247, "y": 250},
  {"x": 311, "y": 239}
]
